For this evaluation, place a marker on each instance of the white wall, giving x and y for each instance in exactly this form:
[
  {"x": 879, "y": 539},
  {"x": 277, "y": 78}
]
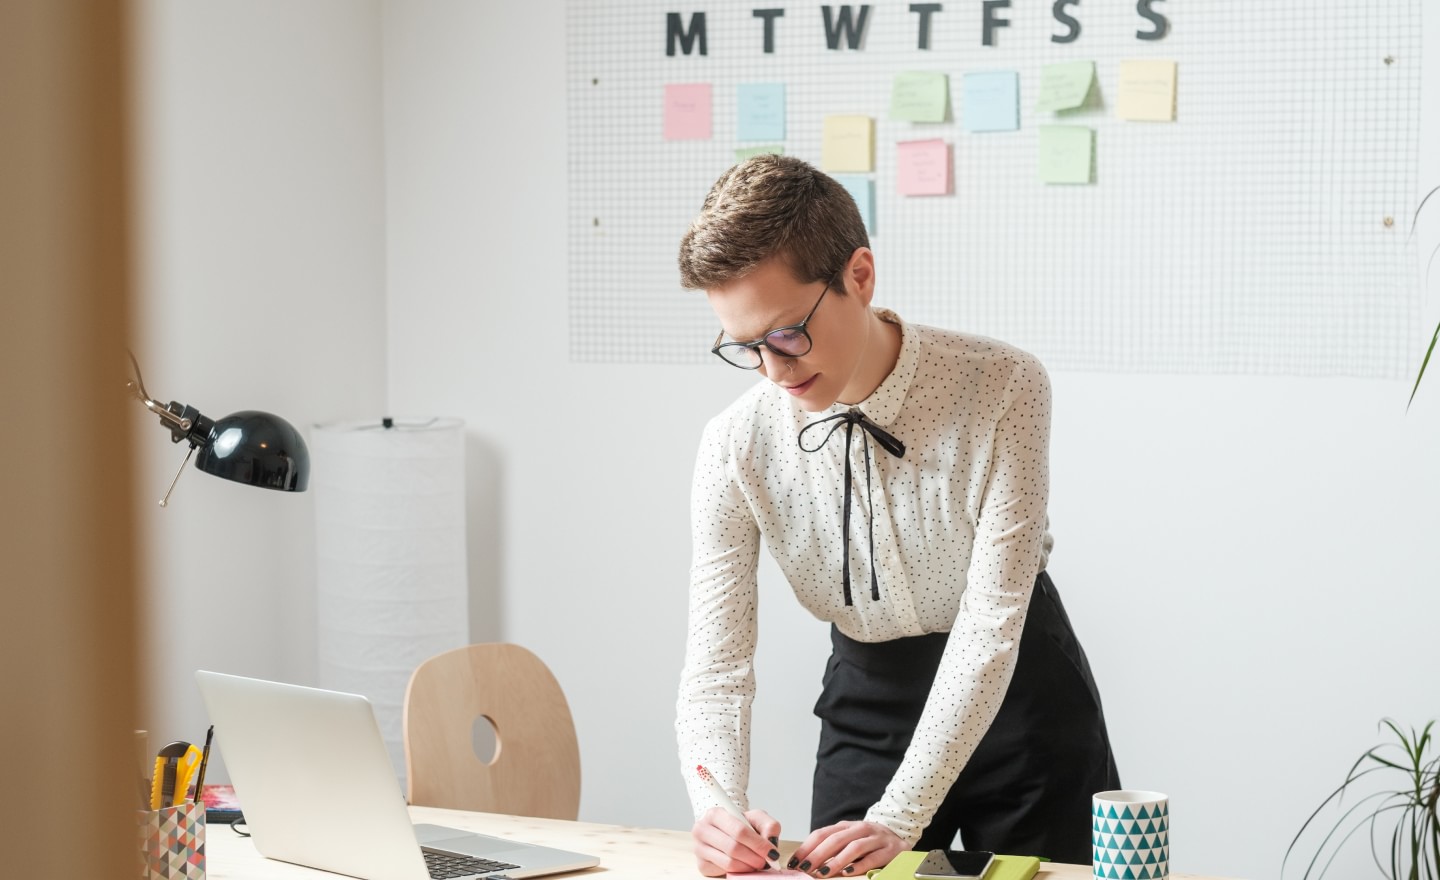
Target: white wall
[
  {"x": 261, "y": 286},
  {"x": 1246, "y": 559}
]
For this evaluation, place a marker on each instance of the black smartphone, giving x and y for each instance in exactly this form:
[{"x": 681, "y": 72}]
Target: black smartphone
[{"x": 954, "y": 864}]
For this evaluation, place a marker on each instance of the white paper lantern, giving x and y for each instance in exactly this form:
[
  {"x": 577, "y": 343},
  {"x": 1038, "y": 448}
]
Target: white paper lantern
[{"x": 390, "y": 552}]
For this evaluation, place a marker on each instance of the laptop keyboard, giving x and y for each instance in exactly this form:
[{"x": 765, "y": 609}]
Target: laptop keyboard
[{"x": 443, "y": 865}]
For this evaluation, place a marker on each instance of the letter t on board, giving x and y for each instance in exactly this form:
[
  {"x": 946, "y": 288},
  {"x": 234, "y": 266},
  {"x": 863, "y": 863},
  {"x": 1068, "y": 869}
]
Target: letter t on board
[
  {"x": 924, "y": 10},
  {"x": 769, "y": 16}
]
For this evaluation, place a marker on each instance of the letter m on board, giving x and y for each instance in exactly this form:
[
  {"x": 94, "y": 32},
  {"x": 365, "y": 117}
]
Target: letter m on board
[{"x": 675, "y": 32}]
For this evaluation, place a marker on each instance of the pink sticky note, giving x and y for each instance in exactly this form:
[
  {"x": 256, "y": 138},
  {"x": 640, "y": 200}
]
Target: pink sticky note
[
  {"x": 687, "y": 112},
  {"x": 922, "y": 168}
]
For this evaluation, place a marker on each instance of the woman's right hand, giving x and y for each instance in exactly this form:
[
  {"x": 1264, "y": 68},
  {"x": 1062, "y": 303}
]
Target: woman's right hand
[{"x": 725, "y": 844}]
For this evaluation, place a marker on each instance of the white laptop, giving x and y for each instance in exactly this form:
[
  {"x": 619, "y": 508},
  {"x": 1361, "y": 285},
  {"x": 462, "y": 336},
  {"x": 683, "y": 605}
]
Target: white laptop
[{"x": 313, "y": 777}]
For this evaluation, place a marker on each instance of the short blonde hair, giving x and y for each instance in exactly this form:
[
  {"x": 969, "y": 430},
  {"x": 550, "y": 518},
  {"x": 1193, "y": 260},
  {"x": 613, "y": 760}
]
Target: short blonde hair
[{"x": 771, "y": 206}]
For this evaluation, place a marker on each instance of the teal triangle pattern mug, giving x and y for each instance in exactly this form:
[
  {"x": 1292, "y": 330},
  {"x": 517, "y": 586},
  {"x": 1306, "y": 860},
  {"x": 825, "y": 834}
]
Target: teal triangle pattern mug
[{"x": 1130, "y": 835}]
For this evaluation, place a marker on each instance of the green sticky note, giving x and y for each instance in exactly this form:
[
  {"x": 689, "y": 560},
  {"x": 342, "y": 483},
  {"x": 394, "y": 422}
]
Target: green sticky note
[
  {"x": 920, "y": 96},
  {"x": 744, "y": 153},
  {"x": 1064, "y": 86},
  {"x": 1067, "y": 154}
]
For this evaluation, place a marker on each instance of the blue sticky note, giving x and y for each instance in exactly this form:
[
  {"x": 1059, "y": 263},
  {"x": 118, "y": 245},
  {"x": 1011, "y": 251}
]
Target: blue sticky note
[
  {"x": 862, "y": 190},
  {"x": 992, "y": 101},
  {"x": 760, "y": 112}
]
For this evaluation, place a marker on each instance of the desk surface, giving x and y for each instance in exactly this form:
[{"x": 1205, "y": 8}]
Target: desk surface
[{"x": 624, "y": 852}]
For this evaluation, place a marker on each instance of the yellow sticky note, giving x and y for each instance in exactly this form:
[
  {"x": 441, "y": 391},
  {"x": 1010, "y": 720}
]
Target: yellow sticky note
[
  {"x": 1064, "y": 86},
  {"x": 848, "y": 145},
  {"x": 920, "y": 96},
  {"x": 1147, "y": 91}
]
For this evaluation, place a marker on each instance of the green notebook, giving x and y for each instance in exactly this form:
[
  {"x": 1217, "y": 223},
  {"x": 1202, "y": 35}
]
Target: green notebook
[{"x": 1005, "y": 867}]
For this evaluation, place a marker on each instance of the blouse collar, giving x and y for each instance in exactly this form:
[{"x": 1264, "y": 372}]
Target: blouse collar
[{"x": 883, "y": 404}]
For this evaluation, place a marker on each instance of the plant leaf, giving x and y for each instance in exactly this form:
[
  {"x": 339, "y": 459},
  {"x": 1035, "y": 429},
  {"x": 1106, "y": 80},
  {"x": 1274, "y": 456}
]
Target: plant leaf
[
  {"x": 1333, "y": 796},
  {"x": 1414, "y": 221},
  {"x": 1339, "y": 823},
  {"x": 1401, "y": 823}
]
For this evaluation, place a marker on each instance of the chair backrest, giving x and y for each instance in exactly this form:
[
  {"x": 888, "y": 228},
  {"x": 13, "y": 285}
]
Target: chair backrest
[{"x": 535, "y": 770}]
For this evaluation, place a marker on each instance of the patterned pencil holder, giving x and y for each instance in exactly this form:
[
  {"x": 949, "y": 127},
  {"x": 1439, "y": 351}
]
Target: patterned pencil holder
[{"x": 172, "y": 843}]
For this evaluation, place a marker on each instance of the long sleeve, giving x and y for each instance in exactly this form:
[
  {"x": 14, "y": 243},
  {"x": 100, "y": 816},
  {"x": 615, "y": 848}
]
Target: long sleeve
[
  {"x": 980, "y": 654},
  {"x": 717, "y": 683}
]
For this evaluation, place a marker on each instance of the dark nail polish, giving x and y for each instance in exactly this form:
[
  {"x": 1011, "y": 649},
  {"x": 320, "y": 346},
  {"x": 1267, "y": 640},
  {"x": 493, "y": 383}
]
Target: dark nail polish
[
  {"x": 792, "y": 863},
  {"x": 805, "y": 865},
  {"x": 774, "y": 841},
  {"x": 774, "y": 853},
  {"x": 849, "y": 868}
]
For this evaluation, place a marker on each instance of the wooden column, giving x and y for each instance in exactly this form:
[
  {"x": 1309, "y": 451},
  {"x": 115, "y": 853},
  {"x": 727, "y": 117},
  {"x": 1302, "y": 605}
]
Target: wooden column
[{"x": 67, "y": 563}]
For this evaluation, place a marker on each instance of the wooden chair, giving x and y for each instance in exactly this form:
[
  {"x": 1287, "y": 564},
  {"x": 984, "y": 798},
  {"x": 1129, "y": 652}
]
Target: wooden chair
[{"x": 535, "y": 770}]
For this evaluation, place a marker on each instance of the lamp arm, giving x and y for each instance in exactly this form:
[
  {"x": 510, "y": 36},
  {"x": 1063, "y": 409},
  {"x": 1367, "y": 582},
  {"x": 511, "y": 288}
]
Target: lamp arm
[{"x": 185, "y": 422}]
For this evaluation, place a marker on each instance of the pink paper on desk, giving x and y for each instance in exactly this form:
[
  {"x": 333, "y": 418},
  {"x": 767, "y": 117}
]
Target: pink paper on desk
[
  {"x": 687, "y": 112},
  {"x": 922, "y": 168},
  {"x": 767, "y": 875}
]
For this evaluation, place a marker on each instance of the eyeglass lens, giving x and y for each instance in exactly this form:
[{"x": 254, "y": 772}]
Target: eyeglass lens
[
  {"x": 786, "y": 342},
  {"x": 789, "y": 341}
]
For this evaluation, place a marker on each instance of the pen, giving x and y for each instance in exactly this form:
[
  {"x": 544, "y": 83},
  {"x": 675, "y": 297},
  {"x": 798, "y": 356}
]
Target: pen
[
  {"x": 726, "y": 803},
  {"x": 204, "y": 762}
]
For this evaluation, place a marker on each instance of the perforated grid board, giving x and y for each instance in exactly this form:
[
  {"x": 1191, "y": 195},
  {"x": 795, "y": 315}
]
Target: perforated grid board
[{"x": 1247, "y": 236}]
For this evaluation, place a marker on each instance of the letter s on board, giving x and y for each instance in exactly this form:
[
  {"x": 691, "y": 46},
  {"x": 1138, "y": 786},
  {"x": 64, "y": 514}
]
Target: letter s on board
[{"x": 1161, "y": 23}]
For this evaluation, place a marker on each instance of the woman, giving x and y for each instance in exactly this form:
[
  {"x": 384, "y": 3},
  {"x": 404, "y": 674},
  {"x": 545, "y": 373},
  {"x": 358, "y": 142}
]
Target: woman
[{"x": 899, "y": 476}]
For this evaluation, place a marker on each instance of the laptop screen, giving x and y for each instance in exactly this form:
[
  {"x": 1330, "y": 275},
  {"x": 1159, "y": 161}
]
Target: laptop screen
[{"x": 314, "y": 779}]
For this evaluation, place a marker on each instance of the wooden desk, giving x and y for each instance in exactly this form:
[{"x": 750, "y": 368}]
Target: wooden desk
[{"x": 625, "y": 853}]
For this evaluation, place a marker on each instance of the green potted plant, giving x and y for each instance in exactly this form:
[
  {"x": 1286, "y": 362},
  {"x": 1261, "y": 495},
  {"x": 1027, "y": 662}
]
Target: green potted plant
[{"x": 1399, "y": 818}]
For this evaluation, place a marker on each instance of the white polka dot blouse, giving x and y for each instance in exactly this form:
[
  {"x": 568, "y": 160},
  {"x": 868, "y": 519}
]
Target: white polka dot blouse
[{"x": 959, "y": 531}]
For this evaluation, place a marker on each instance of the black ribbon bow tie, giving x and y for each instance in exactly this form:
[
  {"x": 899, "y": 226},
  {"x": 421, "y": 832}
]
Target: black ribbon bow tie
[{"x": 849, "y": 419}]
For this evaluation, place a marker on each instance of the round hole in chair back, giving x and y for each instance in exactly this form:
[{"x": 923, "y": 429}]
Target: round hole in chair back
[{"x": 484, "y": 739}]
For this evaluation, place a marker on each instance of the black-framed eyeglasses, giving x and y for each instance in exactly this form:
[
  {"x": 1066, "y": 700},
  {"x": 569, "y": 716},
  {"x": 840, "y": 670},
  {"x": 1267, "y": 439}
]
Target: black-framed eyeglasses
[{"x": 791, "y": 342}]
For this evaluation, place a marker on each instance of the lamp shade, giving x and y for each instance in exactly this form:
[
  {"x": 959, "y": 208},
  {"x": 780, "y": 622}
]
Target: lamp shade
[
  {"x": 259, "y": 449},
  {"x": 391, "y": 586}
]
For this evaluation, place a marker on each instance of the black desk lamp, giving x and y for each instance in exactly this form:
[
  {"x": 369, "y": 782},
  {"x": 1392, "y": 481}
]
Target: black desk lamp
[{"x": 248, "y": 446}]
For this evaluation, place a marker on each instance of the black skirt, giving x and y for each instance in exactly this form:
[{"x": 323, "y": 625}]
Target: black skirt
[{"x": 1025, "y": 791}]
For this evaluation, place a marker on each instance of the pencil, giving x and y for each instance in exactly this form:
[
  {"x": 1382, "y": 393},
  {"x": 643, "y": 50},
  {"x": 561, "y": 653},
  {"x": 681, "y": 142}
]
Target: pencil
[{"x": 726, "y": 803}]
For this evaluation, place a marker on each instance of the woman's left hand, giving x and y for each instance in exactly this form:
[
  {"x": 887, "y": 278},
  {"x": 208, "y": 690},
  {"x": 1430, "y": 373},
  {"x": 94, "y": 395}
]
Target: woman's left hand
[{"x": 847, "y": 849}]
